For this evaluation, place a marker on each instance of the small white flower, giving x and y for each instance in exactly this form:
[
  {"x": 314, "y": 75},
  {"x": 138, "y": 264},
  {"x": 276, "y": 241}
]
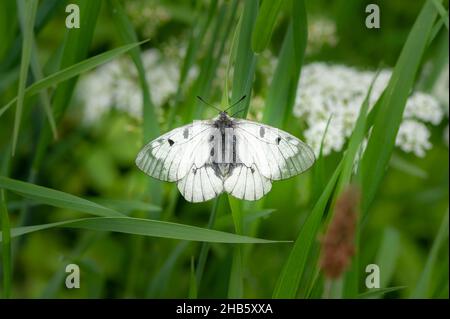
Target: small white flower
[
  {"x": 423, "y": 107},
  {"x": 116, "y": 85},
  {"x": 413, "y": 137},
  {"x": 340, "y": 90},
  {"x": 321, "y": 31}
]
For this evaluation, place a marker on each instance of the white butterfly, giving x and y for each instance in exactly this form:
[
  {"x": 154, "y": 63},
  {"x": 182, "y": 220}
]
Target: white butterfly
[{"x": 224, "y": 154}]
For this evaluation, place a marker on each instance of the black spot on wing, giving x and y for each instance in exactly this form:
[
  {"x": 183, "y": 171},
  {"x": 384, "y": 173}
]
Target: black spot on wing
[
  {"x": 171, "y": 142},
  {"x": 278, "y": 140},
  {"x": 186, "y": 133},
  {"x": 212, "y": 151},
  {"x": 262, "y": 131}
]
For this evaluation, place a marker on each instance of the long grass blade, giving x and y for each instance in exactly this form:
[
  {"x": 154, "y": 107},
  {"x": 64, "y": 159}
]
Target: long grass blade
[
  {"x": 55, "y": 198},
  {"x": 265, "y": 23},
  {"x": 6, "y": 246},
  {"x": 389, "y": 115},
  {"x": 145, "y": 227},
  {"x": 289, "y": 279},
  {"x": 30, "y": 13},
  {"x": 422, "y": 289},
  {"x": 71, "y": 72}
]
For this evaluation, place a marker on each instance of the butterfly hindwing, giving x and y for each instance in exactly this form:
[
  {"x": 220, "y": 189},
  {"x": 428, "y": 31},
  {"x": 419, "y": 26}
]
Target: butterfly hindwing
[
  {"x": 200, "y": 184},
  {"x": 247, "y": 183}
]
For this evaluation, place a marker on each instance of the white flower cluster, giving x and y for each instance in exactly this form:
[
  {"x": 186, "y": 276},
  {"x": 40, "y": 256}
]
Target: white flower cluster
[
  {"x": 116, "y": 85},
  {"x": 321, "y": 32},
  {"x": 339, "y": 91}
]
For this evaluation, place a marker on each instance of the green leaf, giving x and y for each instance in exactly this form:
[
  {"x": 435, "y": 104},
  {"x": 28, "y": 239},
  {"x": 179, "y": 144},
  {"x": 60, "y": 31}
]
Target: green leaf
[
  {"x": 389, "y": 115},
  {"x": 265, "y": 23},
  {"x": 243, "y": 75},
  {"x": 36, "y": 68},
  {"x": 377, "y": 293},
  {"x": 283, "y": 88},
  {"x": 289, "y": 279},
  {"x": 27, "y": 44},
  {"x": 192, "y": 282},
  {"x": 145, "y": 227},
  {"x": 72, "y": 71},
  {"x": 424, "y": 283},
  {"x": 387, "y": 255},
  {"x": 55, "y": 198},
  {"x": 150, "y": 123},
  {"x": 6, "y": 246}
]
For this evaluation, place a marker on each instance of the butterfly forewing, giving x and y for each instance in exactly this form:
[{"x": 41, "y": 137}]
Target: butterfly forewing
[
  {"x": 276, "y": 153},
  {"x": 171, "y": 156}
]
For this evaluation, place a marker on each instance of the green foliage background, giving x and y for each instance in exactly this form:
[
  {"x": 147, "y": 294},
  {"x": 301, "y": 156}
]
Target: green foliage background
[{"x": 144, "y": 240}]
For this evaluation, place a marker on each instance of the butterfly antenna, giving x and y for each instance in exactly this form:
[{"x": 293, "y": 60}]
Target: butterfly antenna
[
  {"x": 237, "y": 102},
  {"x": 206, "y": 103},
  {"x": 242, "y": 109}
]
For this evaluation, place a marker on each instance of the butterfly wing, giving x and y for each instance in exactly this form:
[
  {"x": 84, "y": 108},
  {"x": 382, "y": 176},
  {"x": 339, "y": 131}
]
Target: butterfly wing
[
  {"x": 246, "y": 182},
  {"x": 183, "y": 156},
  {"x": 275, "y": 153}
]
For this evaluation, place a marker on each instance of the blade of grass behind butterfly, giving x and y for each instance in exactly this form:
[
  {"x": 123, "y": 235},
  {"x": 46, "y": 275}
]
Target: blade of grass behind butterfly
[
  {"x": 203, "y": 84},
  {"x": 27, "y": 39},
  {"x": 8, "y": 24},
  {"x": 389, "y": 116},
  {"x": 209, "y": 65},
  {"x": 198, "y": 32},
  {"x": 150, "y": 123},
  {"x": 265, "y": 23},
  {"x": 150, "y": 131},
  {"x": 75, "y": 49},
  {"x": 45, "y": 11},
  {"x": 422, "y": 289},
  {"x": 282, "y": 91},
  {"x": 243, "y": 75},
  {"x": 6, "y": 265},
  {"x": 36, "y": 69},
  {"x": 350, "y": 283},
  {"x": 292, "y": 272}
]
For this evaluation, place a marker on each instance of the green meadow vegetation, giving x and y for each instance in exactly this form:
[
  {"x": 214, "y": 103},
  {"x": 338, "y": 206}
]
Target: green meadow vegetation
[{"x": 70, "y": 192}]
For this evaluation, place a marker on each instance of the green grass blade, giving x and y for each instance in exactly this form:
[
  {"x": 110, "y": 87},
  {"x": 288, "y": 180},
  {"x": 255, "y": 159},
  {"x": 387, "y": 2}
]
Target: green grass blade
[
  {"x": 422, "y": 289},
  {"x": 150, "y": 123},
  {"x": 30, "y": 14},
  {"x": 205, "y": 246},
  {"x": 36, "y": 69},
  {"x": 72, "y": 71},
  {"x": 146, "y": 227},
  {"x": 389, "y": 116},
  {"x": 192, "y": 282},
  {"x": 283, "y": 88},
  {"x": 74, "y": 49},
  {"x": 387, "y": 255},
  {"x": 378, "y": 293},
  {"x": 243, "y": 75},
  {"x": 442, "y": 12},
  {"x": 244, "y": 66},
  {"x": 128, "y": 35},
  {"x": 291, "y": 274},
  {"x": 159, "y": 283},
  {"x": 55, "y": 198},
  {"x": 265, "y": 23},
  {"x": 6, "y": 246},
  {"x": 126, "y": 205}
]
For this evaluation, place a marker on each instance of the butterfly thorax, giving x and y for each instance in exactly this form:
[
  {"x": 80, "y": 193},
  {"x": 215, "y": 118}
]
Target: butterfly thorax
[{"x": 223, "y": 146}]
